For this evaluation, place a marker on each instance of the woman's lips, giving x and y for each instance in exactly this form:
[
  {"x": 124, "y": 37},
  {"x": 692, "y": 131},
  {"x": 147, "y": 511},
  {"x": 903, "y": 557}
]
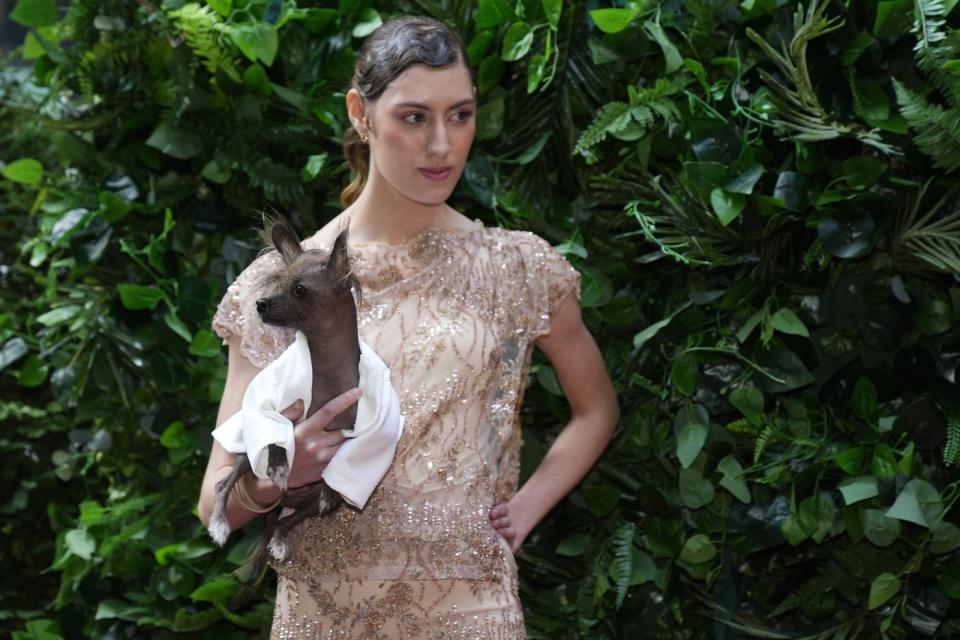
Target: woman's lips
[{"x": 438, "y": 176}]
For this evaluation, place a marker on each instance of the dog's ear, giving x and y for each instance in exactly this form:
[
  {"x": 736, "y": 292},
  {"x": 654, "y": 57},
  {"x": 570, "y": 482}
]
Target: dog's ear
[
  {"x": 339, "y": 258},
  {"x": 285, "y": 241}
]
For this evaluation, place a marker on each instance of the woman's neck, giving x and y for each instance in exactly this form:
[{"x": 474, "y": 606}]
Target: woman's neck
[{"x": 381, "y": 215}]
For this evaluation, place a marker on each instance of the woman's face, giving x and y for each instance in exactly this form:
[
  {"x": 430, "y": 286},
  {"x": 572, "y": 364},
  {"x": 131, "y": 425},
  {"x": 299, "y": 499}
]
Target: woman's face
[{"x": 424, "y": 120}]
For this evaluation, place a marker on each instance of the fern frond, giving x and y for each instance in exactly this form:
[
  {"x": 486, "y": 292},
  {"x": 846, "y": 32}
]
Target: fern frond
[
  {"x": 927, "y": 243},
  {"x": 621, "y": 543},
  {"x": 201, "y": 28},
  {"x": 743, "y": 426},
  {"x": 645, "y": 104},
  {"x": 648, "y": 385},
  {"x": 951, "y": 451},
  {"x": 929, "y": 17},
  {"x": 762, "y": 440},
  {"x": 812, "y": 590},
  {"x": 938, "y": 130}
]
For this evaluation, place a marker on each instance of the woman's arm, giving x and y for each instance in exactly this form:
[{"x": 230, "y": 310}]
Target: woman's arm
[
  {"x": 594, "y": 413},
  {"x": 314, "y": 447}
]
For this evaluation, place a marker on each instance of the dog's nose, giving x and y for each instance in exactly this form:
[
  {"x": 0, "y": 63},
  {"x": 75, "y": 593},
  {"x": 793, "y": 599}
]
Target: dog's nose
[{"x": 262, "y": 305}]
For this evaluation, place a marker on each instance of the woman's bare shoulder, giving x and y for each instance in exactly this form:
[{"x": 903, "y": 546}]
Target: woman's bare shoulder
[{"x": 328, "y": 233}]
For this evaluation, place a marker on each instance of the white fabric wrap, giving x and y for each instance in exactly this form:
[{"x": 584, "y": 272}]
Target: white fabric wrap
[{"x": 360, "y": 463}]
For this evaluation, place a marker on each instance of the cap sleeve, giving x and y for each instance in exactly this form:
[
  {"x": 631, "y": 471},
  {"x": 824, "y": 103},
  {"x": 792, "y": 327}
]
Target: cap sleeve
[
  {"x": 236, "y": 314},
  {"x": 550, "y": 279}
]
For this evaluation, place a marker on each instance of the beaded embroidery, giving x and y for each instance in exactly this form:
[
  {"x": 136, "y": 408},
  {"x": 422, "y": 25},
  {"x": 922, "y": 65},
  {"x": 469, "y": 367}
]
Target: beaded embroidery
[{"x": 454, "y": 313}]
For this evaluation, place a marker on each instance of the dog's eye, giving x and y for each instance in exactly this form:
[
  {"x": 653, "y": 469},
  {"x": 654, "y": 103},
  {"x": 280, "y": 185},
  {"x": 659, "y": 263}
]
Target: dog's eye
[{"x": 299, "y": 291}]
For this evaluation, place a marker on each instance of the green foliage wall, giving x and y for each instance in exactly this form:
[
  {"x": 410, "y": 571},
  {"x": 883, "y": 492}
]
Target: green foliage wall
[{"x": 761, "y": 198}]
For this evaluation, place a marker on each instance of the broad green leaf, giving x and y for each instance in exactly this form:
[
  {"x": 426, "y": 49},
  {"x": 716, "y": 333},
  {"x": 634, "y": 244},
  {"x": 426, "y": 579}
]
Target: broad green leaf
[
  {"x": 733, "y": 480},
  {"x": 601, "y": 498},
  {"x": 214, "y": 590},
  {"x": 884, "y": 464},
  {"x": 862, "y": 172},
  {"x": 641, "y": 338},
  {"x": 919, "y": 503},
  {"x": 821, "y": 511},
  {"x": 176, "y": 436},
  {"x": 884, "y": 587},
  {"x": 81, "y": 543},
  {"x": 59, "y": 315},
  {"x": 172, "y": 320},
  {"x": 176, "y": 141},
  {"x": 683, "y": 374},
  {"x": 945, "y": 538},
  {"x": 644, "y": 568},
  {"x": 745, "y": 182},
  {"x": 671, "y": 55},
  {"x": 136, "y": 297},
  {"x": 864, "y": 400},
  {"x": 369, "y": 21},
  {"x": 552, "y": 9},
  {"x": 847, "y": 235},
  {"x": 879, "y": 529},
  {"x": 785, "y": 366},
  {"x": 786, "y": 321},
  {"x": 206, "y": 344},
  {"x": 749, "y": 400},
  {"x": 490, "y": 119},
  {"x": 33, "y": 372},
  {"x": 859, "y": 488},
  {"x": 24, "y": 171},
  {"x": 258, "y": 41},
  {"x": 491, "y": 13},
  {"x": 517, "y": 41},
  {"x": 695, "y": 490},
  {"x": 575, "y": 545},
  {"x": 850, "y": 460},
  {"x": 35, "y": 13},
  {"x": 690, "y": 427},
  {"x": 535, "y": 70},
  {"x": 612, "y": 20},
  {"x": 535, "y": 148},
  {"x": 491, "y": 70},
  {"x": 727, "y": 206},
  {"x": 698, "y": 548}
]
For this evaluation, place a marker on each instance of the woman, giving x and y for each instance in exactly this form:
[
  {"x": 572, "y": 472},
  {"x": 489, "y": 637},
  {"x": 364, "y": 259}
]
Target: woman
[{"x": 454, "y": 309}]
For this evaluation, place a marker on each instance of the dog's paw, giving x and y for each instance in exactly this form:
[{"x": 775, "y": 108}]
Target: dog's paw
[
  {"x": 219, "y": 529},
  {"x": 278, "y": 548},
  {"x": 279, "y": 475}
]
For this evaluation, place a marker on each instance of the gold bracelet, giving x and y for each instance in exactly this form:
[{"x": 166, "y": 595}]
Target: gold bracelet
[{"x": 242, "y": 497}]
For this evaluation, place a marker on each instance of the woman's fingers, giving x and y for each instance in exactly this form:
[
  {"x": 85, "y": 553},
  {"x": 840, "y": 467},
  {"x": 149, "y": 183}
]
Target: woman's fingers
[
  {"x": 294, "y": 411},
  {"x": 314, "y": 425}
]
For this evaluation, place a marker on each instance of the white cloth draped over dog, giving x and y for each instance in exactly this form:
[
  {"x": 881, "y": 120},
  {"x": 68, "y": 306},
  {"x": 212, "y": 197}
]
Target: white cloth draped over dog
[{"x": 360, "y": 463}]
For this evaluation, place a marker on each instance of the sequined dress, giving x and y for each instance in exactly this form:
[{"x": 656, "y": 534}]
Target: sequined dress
[{"x": 454, "y": 313}]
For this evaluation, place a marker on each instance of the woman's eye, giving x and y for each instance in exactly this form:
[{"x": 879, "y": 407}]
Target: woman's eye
[
  {"x": 466, "y": 115},
  {"x": 405, "y": 118}
]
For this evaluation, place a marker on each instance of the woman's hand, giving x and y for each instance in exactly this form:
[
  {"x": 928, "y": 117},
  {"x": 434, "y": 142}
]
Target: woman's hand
[
  {"x": 314, "y": 447},
  {"x": 500, "y": 517}
]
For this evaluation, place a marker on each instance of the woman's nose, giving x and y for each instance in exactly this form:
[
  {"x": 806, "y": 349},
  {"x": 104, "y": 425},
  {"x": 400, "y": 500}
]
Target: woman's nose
[{"x": 439, "y": 142}]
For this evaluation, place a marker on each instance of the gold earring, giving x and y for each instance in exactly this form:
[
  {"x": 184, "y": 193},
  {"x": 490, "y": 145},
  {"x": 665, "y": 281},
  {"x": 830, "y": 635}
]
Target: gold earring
[{"x": 363, "y": 138}]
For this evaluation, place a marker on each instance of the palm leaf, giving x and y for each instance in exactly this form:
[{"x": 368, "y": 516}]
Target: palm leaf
[
  {"x": 927, "y": 242},
  {"x": 798, "y": 106}
]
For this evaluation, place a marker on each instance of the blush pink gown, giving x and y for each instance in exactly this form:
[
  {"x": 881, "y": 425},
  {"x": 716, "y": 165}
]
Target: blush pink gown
[{"x": 454, "y": 313}]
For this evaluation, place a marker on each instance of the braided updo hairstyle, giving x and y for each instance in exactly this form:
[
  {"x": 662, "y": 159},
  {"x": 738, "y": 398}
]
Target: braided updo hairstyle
[{"x": 385, "y": 54}]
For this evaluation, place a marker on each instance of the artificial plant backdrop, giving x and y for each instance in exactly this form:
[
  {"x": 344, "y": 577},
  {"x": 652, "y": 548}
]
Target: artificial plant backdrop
[{"x": 761, "y": 198}]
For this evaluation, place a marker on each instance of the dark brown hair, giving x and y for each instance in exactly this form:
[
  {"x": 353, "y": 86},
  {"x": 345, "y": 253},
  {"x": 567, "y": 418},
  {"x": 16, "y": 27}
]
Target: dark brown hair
[{"x": 385, "y": 54}]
